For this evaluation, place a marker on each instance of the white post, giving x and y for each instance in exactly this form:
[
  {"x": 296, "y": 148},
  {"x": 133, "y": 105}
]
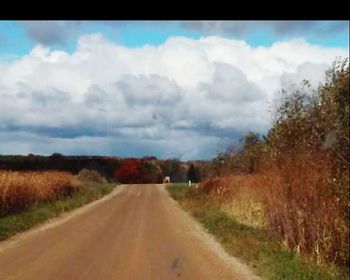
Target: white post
[{"x": 189, "y": 183}]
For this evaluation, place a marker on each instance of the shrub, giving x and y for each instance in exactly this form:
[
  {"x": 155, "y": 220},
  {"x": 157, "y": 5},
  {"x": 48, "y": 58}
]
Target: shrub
[
  {"x": 87, "y": 175},
  {"x": 307, "y": 165}
]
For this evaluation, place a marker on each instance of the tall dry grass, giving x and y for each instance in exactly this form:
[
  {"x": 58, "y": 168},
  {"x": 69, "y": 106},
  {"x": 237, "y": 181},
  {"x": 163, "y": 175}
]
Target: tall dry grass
[
  {"x": 238, "y": 195},
  {"x": 294, "y": 202},
  {"x": 301, "y": 206},
  {"x": 20, "y": 190},
  {"x": 230, "y": 187}
]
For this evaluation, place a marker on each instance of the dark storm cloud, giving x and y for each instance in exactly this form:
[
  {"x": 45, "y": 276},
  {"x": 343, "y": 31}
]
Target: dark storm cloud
[
  {"x": 50, "y": 32},
  {"x": 58, "y": 32},
  {"x": 318, "y": 28},
  {"x": 230, "y": 27},
  {"x": 241, "y": 28},
  {"x": 68, "y": 132}
]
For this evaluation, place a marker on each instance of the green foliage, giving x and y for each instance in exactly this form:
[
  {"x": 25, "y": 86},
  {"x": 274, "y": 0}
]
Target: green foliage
[{"x": 177, "y": 191}]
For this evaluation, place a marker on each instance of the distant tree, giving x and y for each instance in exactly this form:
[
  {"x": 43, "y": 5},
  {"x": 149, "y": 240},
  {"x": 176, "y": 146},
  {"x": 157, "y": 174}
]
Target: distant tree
[
  {"x": 137, "y": 171},
  {"x": 149, "y": 158},
  {"x": 174, "y": 169},
  {"x": 129, "y": 171},
  {"x": 220, "y": 164},
  {"x": 192, "y": 174},
  {"x": 56, "y": 156},
  {"x": 251, "y": 151}
]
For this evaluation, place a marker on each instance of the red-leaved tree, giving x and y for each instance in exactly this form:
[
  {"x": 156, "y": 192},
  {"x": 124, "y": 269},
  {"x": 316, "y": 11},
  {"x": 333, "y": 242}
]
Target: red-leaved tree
[{"x": 138, "y": 171}]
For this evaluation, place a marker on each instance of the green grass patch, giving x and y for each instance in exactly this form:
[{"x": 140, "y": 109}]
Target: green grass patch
[
  {"x": 18, "y": 222},
  {"x": 178, "y": 190},
  {"x": 265, "y": 256}
]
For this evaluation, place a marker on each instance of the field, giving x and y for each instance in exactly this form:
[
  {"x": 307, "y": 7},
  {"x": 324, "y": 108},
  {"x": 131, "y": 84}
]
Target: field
[
  {"x": 29, "y": 198},
  {"x": 20, "y": 190}
]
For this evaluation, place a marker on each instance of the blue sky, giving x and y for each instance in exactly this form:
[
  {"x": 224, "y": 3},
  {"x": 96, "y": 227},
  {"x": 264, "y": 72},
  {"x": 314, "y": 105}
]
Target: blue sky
[
  {"x": 169, "y": 89},
  {"x": 14, "y": 38}
]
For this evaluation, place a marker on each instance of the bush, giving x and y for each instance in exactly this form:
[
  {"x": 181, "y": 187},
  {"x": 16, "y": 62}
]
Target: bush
[
  {"x": 308, "y": 168},
  {"x": 86, "y": 175}
]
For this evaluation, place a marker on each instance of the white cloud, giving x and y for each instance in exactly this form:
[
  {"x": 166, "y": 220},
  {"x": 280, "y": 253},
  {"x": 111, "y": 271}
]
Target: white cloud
[
  {"x": 313, "y": 73},
  {"x": 185, "y": 97}
]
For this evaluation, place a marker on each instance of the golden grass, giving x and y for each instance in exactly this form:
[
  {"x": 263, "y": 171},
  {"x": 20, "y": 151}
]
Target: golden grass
[
  {"x": 19, "y": 190},
  {"x": 295, "y": 204},
  {"x": 248, "y": 212},
  {"x": 239, "y": 196}
]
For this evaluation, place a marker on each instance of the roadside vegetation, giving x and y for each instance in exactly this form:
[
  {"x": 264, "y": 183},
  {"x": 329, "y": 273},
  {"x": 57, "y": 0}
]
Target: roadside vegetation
[
  {"x": 290, "y": 185},
  {"x": 30, "y": 198},
  {"x": 267, "y": 256}
]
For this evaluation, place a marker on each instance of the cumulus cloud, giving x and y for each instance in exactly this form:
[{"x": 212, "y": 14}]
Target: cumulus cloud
[
  {"x": 315, "y": 74},
  {"x": 151, "y": 90},
  {"x": 185, "y": 98},
  {"x": 229, "y": 84}
]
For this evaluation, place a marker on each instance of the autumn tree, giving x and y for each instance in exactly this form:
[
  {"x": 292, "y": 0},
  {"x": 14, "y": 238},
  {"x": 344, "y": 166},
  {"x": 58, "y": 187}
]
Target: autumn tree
[{"x": 251, "y": 153}]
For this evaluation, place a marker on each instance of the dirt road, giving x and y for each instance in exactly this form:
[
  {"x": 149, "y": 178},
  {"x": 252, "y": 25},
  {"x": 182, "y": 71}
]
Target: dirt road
[{"x": 139, "y": 233}]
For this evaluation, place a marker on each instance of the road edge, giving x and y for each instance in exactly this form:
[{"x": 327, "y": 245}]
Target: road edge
[{"x": 212, "y": 244}]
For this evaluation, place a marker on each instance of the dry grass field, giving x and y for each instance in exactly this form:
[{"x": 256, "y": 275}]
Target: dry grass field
[{"x": 20, "y": 190}]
